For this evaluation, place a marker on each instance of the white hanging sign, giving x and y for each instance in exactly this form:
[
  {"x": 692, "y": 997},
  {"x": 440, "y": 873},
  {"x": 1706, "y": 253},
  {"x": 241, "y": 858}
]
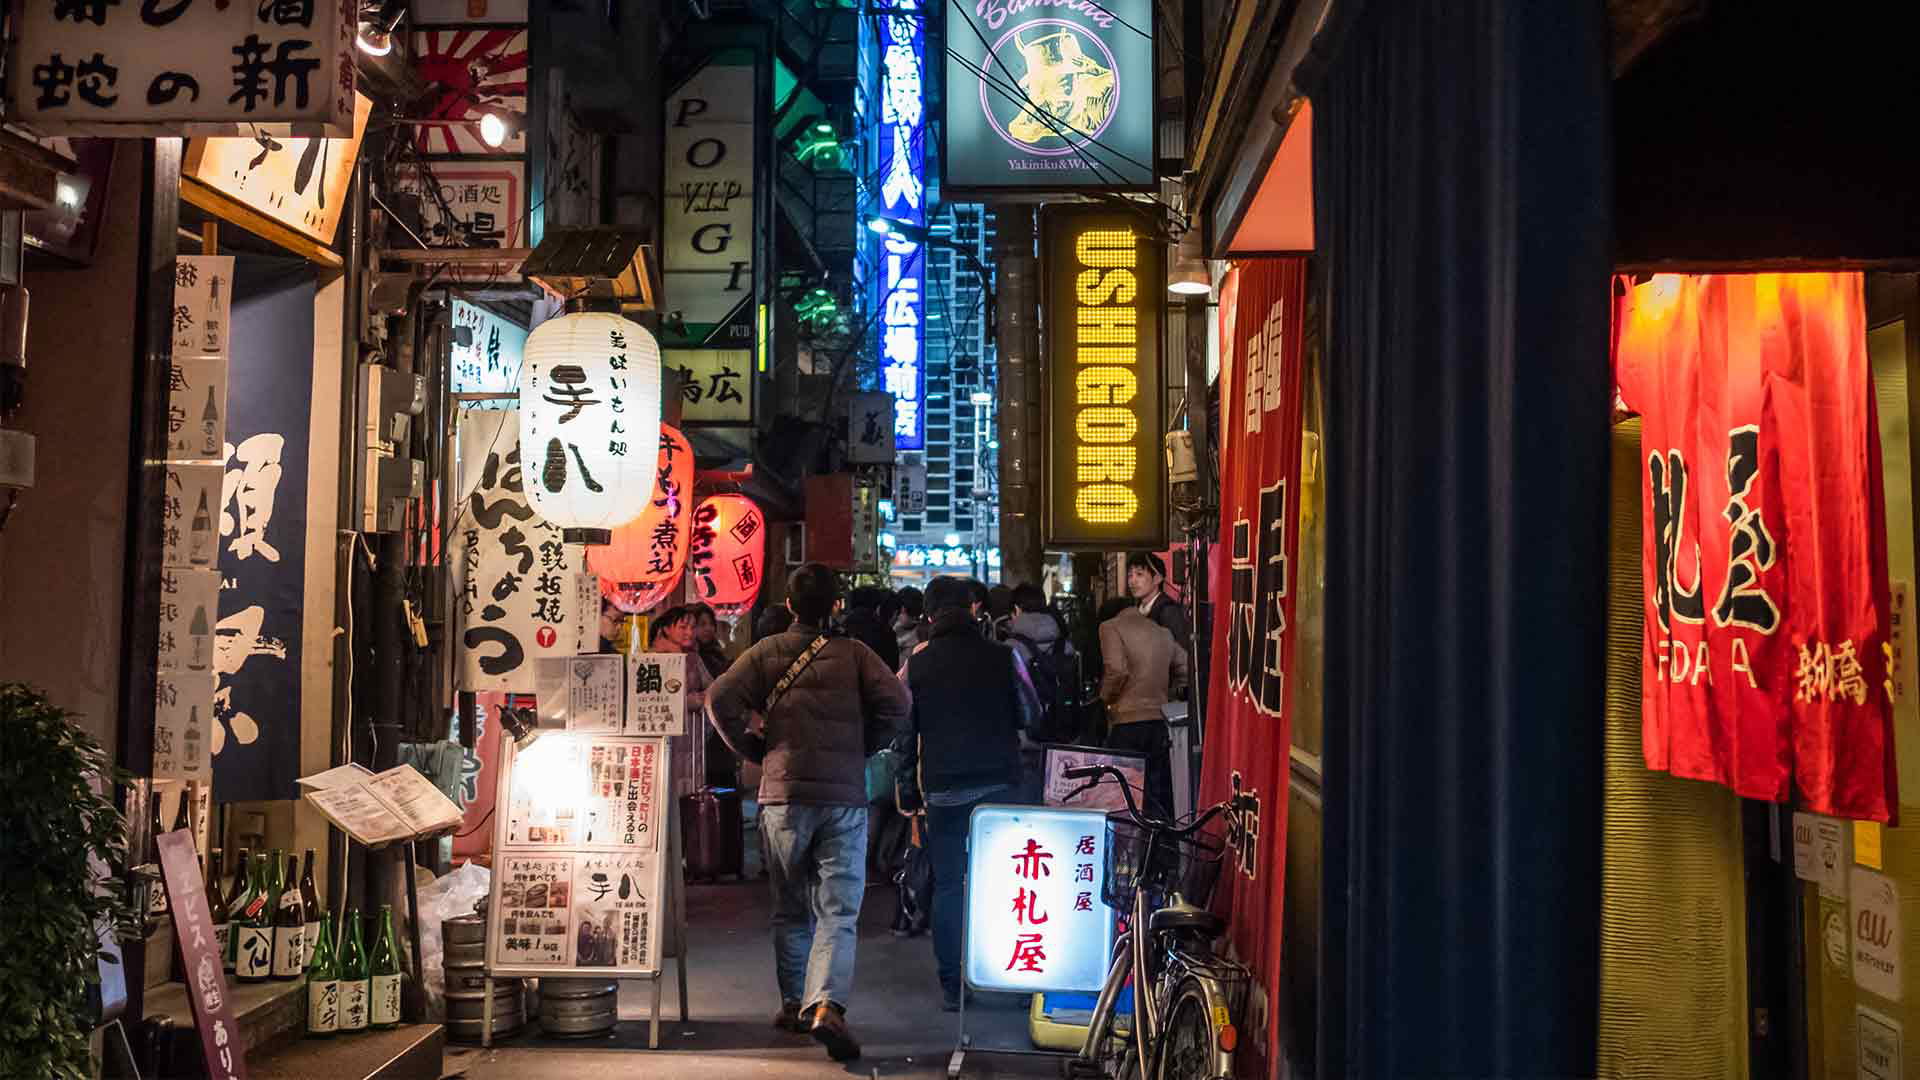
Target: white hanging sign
[
  {"x": 182, "y": 719},
  {"x": 581, "y": 693},
  {"x": 189, "y": 621},
  {"x": 657, "y": 694}
]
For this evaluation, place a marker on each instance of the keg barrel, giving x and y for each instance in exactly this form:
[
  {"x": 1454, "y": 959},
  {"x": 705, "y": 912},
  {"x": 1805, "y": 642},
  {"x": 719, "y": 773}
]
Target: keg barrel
[{"x": 578, "y": 1007}]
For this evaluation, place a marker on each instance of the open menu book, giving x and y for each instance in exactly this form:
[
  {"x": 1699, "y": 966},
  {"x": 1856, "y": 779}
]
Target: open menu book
[{"x": 379, "y": 808}]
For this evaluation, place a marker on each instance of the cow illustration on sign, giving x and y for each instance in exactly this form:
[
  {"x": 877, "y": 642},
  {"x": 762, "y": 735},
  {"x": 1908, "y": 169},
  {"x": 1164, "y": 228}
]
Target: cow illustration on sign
[{"x": 1066, "y": 90}]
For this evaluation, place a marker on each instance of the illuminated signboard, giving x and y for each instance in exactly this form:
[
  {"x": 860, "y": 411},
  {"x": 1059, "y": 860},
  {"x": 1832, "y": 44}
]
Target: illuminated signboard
[
  {"x": 900, "y": 177},
  {"x": 1105, "y": 405},
  {"x": 1035, "y": 921},
  {"x": 1049, "y": 96}
]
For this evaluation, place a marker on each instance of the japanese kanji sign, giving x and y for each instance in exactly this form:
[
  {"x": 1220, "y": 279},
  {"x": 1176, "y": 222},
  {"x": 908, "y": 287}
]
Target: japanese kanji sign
[
  {"x": 489, "y": 361},
  {"x": 197, "y": 373},
  {"x": 469, "y": 204},
  {"x": 716, "y": 385},
  {"x": 581, "y": 867},
  {"x": 1035, "y": 921},
  {"x": 184, "y": 67},
  {"x": 184, "y": 712},
  {"x": 220, "y": 1040},
  {"x": 582, "y": 693},
  {"x": 657, "y": 694},
  {"x": 870, "y": 429},
  {"x": 301, "y": 182},
  {"x": 1763, "y": 537},
  {"x": 519, "y": 589},
  {"x": 202, "y": 306}
]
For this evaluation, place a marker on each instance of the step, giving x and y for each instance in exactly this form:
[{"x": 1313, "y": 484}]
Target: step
[
  {"x": 408, "y": 1052},
  {"x": 270, "y": 1014}
]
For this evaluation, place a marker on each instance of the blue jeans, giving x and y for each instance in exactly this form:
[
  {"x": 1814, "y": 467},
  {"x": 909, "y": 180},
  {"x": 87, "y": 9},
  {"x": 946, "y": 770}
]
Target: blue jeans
[
  {"x": 816, "y": 860},
  {"x": 947, "y": 843}
]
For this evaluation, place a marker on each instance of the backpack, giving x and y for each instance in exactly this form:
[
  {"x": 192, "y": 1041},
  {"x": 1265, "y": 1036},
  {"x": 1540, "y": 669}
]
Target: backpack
[{"x": 1048, "y": 670}]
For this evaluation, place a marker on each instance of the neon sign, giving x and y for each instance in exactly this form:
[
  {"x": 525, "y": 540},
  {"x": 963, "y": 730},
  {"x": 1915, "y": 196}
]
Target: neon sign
[{"x": 898, "y": 296}]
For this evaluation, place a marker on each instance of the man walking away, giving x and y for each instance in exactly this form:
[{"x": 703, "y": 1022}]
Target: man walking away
[
  {"x": 1037, "y": 635},
  {"x": 869, "y": 620},
  {"x": 809, "y": 709},
  {"x": 970, "y": 704},
  {"x": 1146, "y": 582},
  {"x": 1144, "y": 665}
]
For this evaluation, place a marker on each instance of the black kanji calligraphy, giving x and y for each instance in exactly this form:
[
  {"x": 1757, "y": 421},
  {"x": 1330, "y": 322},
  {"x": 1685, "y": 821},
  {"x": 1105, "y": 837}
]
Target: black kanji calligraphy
[
  {"x": 1743, "y": 602},
  {"x": 510, "y": 656},
  {"x": 93, "y": 11},
  {"x": 251, "y": 73},
  {"x": 514, "y": 542},
  {"x": 97, "y": 77},
  {"x": 569, "y": 388},
  {"x": 167, "y": 87},
  {"x": 1667, "y": 481},
  {"x": 554, "y": 476},
  {"x": 287, "y": 12},
  {"x": 156, "y": 13},
  {"x": 54, "y": 80}
]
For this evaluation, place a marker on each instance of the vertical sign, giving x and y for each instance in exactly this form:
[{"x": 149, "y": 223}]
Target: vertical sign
[
  {"x": 519, "y": 595},
  {"x": 1106, "y": 472},
  {"x": 1050, "y": 96},
  {"x": 707, "y": 270},
  {"x": 657, "y": 694},
  {"x": 489, "y": 360},
  {"x": 899, "y": 171},
  {"x": 1035, "y": 920},
  {"x": 220, "y": 1040},
  {"x": 101, "y": 67}
]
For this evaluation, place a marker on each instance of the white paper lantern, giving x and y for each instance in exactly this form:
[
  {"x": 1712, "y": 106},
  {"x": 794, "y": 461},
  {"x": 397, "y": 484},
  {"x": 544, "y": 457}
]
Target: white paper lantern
[{"x": 589, "y": 422}]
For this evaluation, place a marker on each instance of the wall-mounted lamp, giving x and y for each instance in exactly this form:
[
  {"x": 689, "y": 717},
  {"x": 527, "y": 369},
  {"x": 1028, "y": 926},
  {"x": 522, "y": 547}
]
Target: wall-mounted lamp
[
  {"x": 519, "y": 726},
  {"x": 377, "y": 24}
]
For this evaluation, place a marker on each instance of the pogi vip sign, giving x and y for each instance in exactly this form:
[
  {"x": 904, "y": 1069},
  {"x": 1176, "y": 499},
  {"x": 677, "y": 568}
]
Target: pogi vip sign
[{"x": 1035, "y": 921}]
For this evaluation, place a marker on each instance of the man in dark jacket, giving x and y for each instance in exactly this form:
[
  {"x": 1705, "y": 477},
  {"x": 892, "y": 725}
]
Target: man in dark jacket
[
  {"x": 1146, "y": 583},
  {"x": 869, "y": 620},
  {"x": 971, "y": 701},
  {"x": 810, "y": 709}
]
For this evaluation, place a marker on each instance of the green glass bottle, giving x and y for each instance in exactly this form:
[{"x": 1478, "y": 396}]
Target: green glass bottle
[
  {"x": 289, "y": 925},
  {"x": 253, "y": 931},
  {"x": 354, "y": 976},
  {"x": 237, "y": 896},
  {"x": 323, "y": 984},
  {"x": 384, "y": 974}
]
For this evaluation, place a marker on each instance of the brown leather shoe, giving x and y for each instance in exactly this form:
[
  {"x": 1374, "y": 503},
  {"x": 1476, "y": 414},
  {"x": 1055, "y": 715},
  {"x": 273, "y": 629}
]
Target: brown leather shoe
[
  {"x": 788, "y": 1018},
  {"x": 829, "y": 1029}
]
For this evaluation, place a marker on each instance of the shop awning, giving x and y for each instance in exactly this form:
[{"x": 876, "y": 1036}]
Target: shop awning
[{"x": 1278, "y": 217}]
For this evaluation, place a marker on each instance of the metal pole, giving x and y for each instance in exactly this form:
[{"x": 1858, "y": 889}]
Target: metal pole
[{"x": 1016, "y": 307}]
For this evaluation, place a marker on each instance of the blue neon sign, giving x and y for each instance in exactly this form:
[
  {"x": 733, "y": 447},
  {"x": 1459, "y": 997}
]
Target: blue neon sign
[{"x": 899, "y": 298}]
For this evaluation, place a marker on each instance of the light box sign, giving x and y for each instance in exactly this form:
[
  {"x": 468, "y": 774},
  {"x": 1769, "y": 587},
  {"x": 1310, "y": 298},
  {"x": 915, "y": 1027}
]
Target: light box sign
[
  {"x": 299, "y": 182},
  {"x": 712, "y": 166},
  {"x": 900, "y": 175},
  {"x": 1106, "y": 471},
  {"x": 1035, "y": 921},
  {"x": 1049, "y": 96},
  {"x": 102, "y": 67},
  {"x": 489, "y": 361}
]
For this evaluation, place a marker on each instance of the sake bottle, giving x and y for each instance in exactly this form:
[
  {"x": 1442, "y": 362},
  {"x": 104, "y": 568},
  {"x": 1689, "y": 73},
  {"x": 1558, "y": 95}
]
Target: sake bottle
[
  {"x": 384, "y": 968},
  {"x": 310, "y": 908},
  {"x": 354, "y": 977},
  {"x": 237, "y": 896},
  {"x": 289, "y": 925},
  {"x": 323, "y": 984},
  {"x": 217, "y": 902},
  {"x": 157, "y": 892},
  {"x": 200, "y": 533},
  {"x": 199, "y": 640},
  {"x": 210, "y": 428},
  {"x": 253, "y": 931}
]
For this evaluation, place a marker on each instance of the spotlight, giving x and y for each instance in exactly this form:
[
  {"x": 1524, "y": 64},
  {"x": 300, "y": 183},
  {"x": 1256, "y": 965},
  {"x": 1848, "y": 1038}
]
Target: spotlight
[
  {"x": 497, "y": 127},
  {"x": 377, "y": 24},
  {"x": 519, "y": 726}
]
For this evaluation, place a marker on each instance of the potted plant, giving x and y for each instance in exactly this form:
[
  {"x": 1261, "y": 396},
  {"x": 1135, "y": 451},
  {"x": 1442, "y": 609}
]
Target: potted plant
[{"x": 59, "y": 828}]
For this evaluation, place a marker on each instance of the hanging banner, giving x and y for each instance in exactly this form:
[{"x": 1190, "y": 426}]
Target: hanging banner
[
  {"x": 100, "y": 67},
  {"x": 523, "y": 594},
  {"x": 712, "y": 165},
  {"x": 1251, "y": 725},
  {"x": 1049, "y": 96},
  {"x": 299, "y": 182},
  {"x": 1764, "y": 547},
  {"x": 472, "y": 70},
  {"x": 263, "y": 533},
  {"x": 729, "y": 551},
  {"x": 870, "y": 430},
  {"x": 1107, "y": 472}
]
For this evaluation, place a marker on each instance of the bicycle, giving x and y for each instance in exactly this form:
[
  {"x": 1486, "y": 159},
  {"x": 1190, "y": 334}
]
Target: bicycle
[{"x": 1185, "y": 998}]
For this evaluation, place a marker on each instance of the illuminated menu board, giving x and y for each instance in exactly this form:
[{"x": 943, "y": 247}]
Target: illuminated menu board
[{"x": 1105, "y": 416}]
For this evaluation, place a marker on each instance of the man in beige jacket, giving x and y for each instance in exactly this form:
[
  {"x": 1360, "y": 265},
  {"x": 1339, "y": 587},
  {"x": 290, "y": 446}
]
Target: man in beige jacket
[{"x": 1144, "y": 669}]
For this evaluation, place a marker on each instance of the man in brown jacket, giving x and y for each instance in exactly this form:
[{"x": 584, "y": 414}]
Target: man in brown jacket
[
  {"x": 810, "y": 708},
  {"x": 1144, "y": 667}
]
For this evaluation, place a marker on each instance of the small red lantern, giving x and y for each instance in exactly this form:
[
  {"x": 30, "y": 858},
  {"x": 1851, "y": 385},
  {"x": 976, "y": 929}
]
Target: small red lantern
[
  {"x": 729, "y": 552},
  {"x": 647, "y": 555}
]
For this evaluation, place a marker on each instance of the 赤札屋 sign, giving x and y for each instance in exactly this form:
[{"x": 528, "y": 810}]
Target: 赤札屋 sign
[
  {"x": 1054, "y": 95},
  {"x": 1106, "y": 474},
  {"x": 899, "y": 195},
  {"x": 1035, "y": 920}
]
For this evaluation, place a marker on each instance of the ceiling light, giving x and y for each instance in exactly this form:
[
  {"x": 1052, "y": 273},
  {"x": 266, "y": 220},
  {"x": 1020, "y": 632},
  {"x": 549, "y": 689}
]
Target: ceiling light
[
  {"x": 496, "y": 127},
  {"x": 377, "y": 25}
]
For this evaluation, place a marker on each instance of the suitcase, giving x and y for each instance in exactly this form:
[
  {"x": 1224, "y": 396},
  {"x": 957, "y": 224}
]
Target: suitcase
[{"x": 710, "y": 833}]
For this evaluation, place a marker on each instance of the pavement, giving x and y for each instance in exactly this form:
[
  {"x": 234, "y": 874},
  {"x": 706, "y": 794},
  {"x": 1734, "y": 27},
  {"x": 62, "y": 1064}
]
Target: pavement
[{"x": 895, "y": 1012}]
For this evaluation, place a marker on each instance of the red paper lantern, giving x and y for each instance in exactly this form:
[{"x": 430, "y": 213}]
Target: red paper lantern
[
  {"x": 647, "y": 555},
  {"x": 729, "y": 552}
]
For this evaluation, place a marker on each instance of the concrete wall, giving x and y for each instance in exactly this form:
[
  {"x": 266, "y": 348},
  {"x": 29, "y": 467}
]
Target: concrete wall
[{"x": 62, "y": 555}]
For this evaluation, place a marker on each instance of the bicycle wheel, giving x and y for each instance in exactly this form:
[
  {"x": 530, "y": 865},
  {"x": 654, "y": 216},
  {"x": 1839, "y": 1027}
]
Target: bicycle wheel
[{"x": 1187, "y": 1050}]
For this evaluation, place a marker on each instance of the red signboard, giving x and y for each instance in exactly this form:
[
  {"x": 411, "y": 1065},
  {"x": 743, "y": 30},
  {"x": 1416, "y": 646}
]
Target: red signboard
[
  {"x": 1764, "y": 536},
  {"x": 1250, "y": 718},
  {"x": 206, "y": 984}
]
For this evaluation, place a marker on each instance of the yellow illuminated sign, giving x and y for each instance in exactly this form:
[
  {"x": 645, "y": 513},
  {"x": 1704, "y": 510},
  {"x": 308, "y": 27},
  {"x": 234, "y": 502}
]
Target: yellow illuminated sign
[{"x": 1106, "y": 476}]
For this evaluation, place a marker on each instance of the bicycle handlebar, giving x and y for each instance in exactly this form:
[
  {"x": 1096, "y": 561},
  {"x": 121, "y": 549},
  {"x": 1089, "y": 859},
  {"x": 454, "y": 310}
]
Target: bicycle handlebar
[{"x": 1140, "y": 817}]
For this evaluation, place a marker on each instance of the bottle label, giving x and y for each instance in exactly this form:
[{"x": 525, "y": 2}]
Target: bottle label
[
  {"x": 288, "y": 962},
  {"x": 157, "y": 898},
  {"x": 256, "y": 905},
  {"x": 307, "y": 941},
  {"x": 221, "y": 932},
  {"x": 353, "y": 1004},
  {"x": 323, "y": 1006},
  {"x": 253, "y": 956},
  {"x": 386, "y": 999}
]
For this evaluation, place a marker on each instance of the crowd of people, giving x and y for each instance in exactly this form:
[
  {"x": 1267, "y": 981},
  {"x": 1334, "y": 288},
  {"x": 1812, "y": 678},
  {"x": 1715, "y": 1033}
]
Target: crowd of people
[{"x": 964, "y": 684}]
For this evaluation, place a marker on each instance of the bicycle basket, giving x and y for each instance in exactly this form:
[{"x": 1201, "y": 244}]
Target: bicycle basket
[{"x": 1189, "y": 865}]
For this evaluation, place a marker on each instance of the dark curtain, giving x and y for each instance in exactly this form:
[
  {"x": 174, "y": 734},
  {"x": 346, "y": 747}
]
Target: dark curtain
[{"x": 1462, "y": 205}]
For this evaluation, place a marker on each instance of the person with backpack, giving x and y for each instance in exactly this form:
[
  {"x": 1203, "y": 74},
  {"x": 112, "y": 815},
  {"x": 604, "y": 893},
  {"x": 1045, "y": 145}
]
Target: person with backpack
[
  {"x": 1040, "y": 640},
  {"x": 810, "y": 708},
  {"x": 970, "y": 705}
]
